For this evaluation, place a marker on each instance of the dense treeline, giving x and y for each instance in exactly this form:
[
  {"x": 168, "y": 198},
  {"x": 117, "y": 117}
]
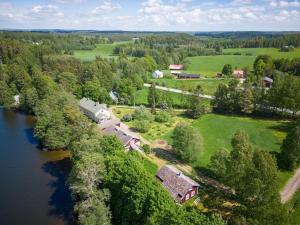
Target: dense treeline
[{"x": 107, "y": 185}]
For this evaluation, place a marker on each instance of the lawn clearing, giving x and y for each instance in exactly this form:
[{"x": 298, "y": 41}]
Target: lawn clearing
[
  {"x": 209, "y": 86},
  {"x": 211, "y": 65},
  {"x": 294, "y": 206},
  {"x": 102, "y": 50}
]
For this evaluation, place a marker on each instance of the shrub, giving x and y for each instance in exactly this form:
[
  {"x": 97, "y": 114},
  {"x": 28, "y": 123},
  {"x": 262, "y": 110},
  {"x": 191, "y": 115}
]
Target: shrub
[
  {"x": 142, "y": 113},
  {"x": 147, "y": 149},
  {"x": 162, "y": 117},
  {"x": 142, "y": 125},
  {"x": 127, "y": 118}
]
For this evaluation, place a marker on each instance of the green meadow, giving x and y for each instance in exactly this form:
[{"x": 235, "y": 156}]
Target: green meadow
[
  {"x": 209, "y": 86},
  {"x": 102, "y": 50},
  {"x": 211, "y": 65}
]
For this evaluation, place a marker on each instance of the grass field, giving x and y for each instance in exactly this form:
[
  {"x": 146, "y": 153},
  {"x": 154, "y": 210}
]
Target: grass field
[
  {"x": 209, "y": 86},
  {"x": 211, "y": 65},
  {"x": 102, "y": 50}
]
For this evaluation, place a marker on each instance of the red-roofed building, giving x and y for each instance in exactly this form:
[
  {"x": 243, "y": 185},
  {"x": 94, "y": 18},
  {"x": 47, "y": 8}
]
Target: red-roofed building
[
  {"x": 180, "y": 187},
  {"x": 239, "y": 74},
  {"x": 175, "y": 67}
]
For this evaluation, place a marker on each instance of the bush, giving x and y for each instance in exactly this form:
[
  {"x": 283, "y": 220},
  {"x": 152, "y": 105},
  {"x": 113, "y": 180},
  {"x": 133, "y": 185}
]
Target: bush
[
  {"x": 147, "y": 149},
  {"x": 142, "y": 113},
  {"x": 162, "y": 117},
  {"x": 127, "y": 118},
  {"x": 249, "y": 54},
  {"x": 142, "y": 125},
  {"x": 237, "y": 53}
]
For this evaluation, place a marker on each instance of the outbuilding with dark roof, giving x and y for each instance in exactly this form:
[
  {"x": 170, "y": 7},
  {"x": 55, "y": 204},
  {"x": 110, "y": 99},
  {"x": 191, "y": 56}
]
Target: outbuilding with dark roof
[{"x": 181, "y": 187}]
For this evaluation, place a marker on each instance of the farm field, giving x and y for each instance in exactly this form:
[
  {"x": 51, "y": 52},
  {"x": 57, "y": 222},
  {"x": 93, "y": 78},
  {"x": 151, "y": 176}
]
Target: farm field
[
  {"x": 211, "y": 65},
  {"x": 209, "y": 86},
  {"x": 102, "y": 50}
]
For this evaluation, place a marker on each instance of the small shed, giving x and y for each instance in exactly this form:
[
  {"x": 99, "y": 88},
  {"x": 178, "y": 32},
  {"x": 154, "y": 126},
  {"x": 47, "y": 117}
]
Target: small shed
[
  {"x": 180, "y": 187},
  {"x": 188, "y": 76},
  {"x": 157, "y": 74},
  {"x": 268, "y": 82}
]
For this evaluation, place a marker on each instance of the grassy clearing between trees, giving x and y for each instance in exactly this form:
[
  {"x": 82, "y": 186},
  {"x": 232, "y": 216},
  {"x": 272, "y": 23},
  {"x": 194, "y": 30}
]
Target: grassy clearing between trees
[
  {"x": 211, "y": 65},
  {"x": 216, "y": 133},
  {"x": 102, "y": 50},
  {"x": 209, "y": 86},
  {"x": 141, "y": 98}
]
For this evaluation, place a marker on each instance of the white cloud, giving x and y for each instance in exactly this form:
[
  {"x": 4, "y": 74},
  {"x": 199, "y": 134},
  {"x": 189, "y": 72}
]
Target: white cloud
[
  {"x": 241, "y": 2},
  {"x": 69, "y": 1},
  {"x": 106, "y": 7},
  {"x": 47, "y": 11}
]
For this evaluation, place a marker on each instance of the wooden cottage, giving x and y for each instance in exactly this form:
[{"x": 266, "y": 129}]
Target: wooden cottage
[{"x": 180, "y": 187}]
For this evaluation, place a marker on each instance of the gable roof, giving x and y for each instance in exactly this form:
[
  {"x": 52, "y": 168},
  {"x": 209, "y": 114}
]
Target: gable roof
[
  {"x": 175, "y": 181},
  {"x": 268, "y": 79},
  {"x": 91, "y": 106},
  {"x": 108, "y": 123},
  {"x": 124, "y": 137},
  {"x": 237, "y": 72}
]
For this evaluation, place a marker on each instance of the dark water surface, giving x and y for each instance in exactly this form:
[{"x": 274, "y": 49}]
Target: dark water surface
[{"x": 32, "y": 183}]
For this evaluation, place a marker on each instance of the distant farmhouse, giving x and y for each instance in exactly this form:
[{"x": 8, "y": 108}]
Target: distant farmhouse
[
  {"x": 239, "y": 74},
  {"x": 175, "y": 67},
  {"x": 94, "y": 110},
  {"x": 181, "y": 187},
  {"x": 157, "y": 74}
]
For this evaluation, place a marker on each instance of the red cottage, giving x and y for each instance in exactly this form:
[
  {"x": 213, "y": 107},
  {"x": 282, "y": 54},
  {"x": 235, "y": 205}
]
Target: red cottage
[{"x": 181, "y": 187}]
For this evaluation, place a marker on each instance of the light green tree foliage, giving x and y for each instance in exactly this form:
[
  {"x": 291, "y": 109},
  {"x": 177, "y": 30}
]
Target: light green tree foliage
[
  {"x": 247, "y": 102},
  {"x": 67, "y": 80},
  {"x": 196, "y": 108},
  {"x": 6, "y": 95},
  {"x": 290, "y": 154},
  {"x": 254, "y": 177},
  {"x": 186, "y": 141},
  {"x": 153, "y": 96}
]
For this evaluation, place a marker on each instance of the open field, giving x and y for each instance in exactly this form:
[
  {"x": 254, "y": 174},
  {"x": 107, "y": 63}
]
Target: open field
[
  {"x": 211, "y": 65},
  {"x": 209, "y": 86},
  {"x": 102, "y": 50},
  {"x": 274, "y": 52}
]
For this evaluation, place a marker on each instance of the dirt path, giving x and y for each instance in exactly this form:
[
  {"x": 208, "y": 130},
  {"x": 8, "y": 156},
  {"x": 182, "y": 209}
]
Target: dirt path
[{"x": 291, "y": 187}]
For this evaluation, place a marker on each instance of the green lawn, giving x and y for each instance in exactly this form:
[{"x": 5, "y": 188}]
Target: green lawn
[
  {"x": 217, "y": 131},
  {"x": 102, "y": 50},
  {"x": 209, "y": 86},
  {"x": 210, "y": 65}
]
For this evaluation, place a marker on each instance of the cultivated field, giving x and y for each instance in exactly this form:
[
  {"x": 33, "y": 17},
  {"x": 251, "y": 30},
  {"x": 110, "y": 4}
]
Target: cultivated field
[
  {"x": 211, "y": 65},
  {"x": 102, "y": 50}
]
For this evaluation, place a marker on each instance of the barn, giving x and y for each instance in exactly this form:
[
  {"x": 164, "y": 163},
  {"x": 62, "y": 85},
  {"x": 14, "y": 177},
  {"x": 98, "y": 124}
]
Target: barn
[{"x": 180, "y": 187}]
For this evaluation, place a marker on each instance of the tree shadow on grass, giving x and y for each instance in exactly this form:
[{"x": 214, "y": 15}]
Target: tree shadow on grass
[
  {"x": 60, "y": 201},
  {"x": 283, "y": 126},
  {"x": 166, "y": 155}
]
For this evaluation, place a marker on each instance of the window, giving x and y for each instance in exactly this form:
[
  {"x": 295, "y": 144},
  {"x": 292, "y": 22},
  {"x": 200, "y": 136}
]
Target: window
[
  {"x": 192, "y": 193},
  {"x": 187, "y": 197}
]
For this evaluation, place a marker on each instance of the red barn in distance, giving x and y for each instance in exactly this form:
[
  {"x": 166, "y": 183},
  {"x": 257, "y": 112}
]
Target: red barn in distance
[
  {"x": 175, "y": 67},
  {"x": 181, "y": 187}
]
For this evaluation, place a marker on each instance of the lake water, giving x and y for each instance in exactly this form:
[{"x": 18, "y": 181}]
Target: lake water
[{"x": 33, "y": 188}]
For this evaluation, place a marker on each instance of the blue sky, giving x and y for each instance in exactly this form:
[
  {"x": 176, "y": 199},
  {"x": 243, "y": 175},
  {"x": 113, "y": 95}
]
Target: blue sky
[{"x": 151, "y": 15}]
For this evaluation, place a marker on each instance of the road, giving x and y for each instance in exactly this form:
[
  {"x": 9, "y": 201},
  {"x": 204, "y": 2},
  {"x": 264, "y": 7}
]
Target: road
[
  {"x": 291, "y": 187},
  {"x": 178, "y": 91}
]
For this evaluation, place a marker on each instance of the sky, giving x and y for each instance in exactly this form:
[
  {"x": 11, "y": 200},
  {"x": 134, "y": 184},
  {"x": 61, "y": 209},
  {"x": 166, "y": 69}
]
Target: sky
[{"x": 152, "y": 15}]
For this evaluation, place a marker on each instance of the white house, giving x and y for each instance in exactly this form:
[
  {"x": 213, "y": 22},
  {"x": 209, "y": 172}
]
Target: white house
[
  {"x": 157, "y": 74},
  {"x": 94, "y": 110}
]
